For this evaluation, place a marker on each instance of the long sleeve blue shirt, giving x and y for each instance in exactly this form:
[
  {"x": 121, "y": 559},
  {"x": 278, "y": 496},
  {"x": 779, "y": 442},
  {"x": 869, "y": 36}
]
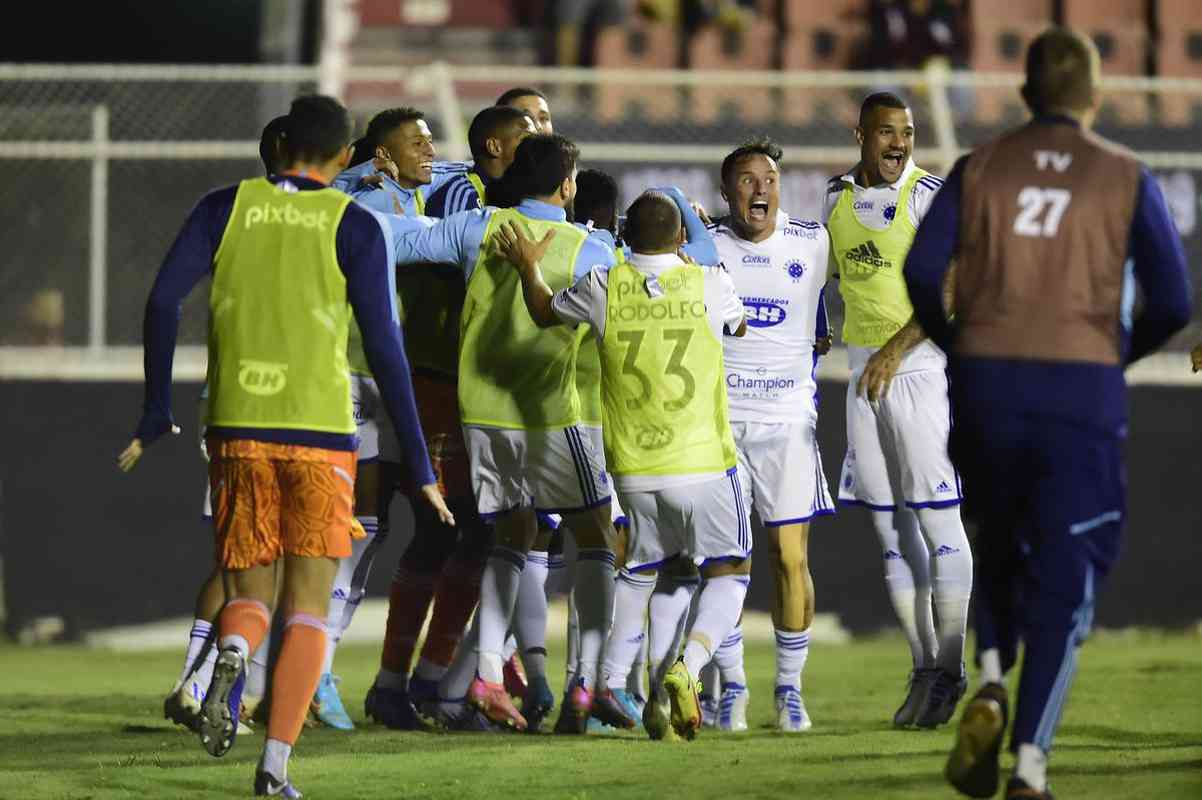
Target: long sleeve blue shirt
[
  {"x": 390, "y": 195},
  {"x": 363, "y": 253}
]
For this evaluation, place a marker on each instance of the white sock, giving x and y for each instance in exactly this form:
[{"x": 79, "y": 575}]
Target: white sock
[
  {"x": 275, "y": 758},
  {"x": 256, "y": 669},
  {"x": 498, "y": 595},
  {"x": 458, "y": 677},
  {"x": 349, "y": 586},
  {"x": 951, "y": 572},
  {"x": 991, "y": 666},
  {"x": 572, "y": 657},
  {"x": 665, "y": 623},
  {"x": 511, "y": 644},
  {"x": 906, "y": 597},
  {"x": 636, "y": 681},
  {"x": 594, "y": 607},
  {"x": 792, "y": 649},
  {"x": 202, "y": 676},
  {"x": 556, "y": 572},
  {"x": 729, "y": 657},
  {"x": 530, "y": 615},
  {"x": 198, "y": 638},
  {"x": 631, "y": 597},
  {"x": 1032, "y": 766},
  {"x": 711, "y": 680},
  {"x": 718, "y": 608},
  {"x": 235, "y": 641}
]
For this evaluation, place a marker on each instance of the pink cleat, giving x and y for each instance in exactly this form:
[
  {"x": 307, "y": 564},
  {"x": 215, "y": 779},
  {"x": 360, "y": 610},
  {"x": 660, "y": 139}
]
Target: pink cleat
[
  {"x": 515, "y": 678},
  {"x": 493, "y": 701}
]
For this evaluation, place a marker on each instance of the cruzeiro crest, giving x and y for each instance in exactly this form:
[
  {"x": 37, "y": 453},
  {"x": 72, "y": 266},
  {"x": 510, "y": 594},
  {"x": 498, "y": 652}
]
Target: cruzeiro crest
[{"x": 796, "y": 270}]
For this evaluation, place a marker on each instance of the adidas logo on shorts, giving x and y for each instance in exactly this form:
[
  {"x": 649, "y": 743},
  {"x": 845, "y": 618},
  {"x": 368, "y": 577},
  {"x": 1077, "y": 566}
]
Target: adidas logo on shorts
[
  {"x": 946, "y": 550},
  {"x": 943, "y": 487}
]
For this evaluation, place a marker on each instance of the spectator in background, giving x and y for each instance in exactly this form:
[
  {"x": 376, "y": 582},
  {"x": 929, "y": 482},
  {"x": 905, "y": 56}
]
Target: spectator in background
[
  {"x": 913, "y": 34},
  {"x": 730, "y": 14},
  {"x": 576, "y": 23}
]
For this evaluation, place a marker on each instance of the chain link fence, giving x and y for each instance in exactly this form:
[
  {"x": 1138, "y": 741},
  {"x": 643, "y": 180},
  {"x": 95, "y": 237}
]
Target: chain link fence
[{"x": 102, "y": 163}]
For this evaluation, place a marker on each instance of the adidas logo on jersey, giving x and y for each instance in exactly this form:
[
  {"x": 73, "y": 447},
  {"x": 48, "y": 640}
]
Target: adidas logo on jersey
[
  {"x": 943, "y": 487},
  {"x": 868, "y": 255}
]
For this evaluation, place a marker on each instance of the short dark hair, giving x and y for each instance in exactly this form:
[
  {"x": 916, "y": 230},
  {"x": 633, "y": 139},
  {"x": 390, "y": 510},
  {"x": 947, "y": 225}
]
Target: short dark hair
[
  {"x": 652, "y": 223},
  {"x": 541, "y": 163},
  {"x": 271, "y": 145},
  {"x": 878, "y": 100},
  {"x": 759, "y": 146},
  {"x": 378, "y": 129},
  {"x": 318, "y": 128},
  {"x": 597, "y": 199},
  {"x": 516, "y": 92},
  {"x": 492, "y": 121},
  {"x": 1061, "y": 70}
]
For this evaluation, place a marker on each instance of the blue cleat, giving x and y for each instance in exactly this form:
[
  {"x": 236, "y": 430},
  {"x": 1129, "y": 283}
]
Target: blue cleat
[
  {"x": 538, "y": 703},
  {"x": 267, "y": 785},
  {"x": 327, "y": 705},
  {"x": 630, "y": 706},
  {"x": 391, "y": 708},
  {"x": 218, "y": 721}
]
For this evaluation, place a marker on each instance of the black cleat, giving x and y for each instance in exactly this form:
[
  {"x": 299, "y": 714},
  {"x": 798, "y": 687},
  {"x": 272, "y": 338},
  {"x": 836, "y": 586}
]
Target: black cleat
[
  {"x": 945, "y": 692},
  {"x": 972, "y": 766},
  {"x": 268, "y": 785},
  {"x": 1018, "y": 789},
  {"x": 917, "y": 687}
]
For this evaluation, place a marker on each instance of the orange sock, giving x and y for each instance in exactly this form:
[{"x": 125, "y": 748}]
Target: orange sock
[
  {"x": 297, "y": 672},
  {"x": 247, "y": 618},
  {"x": 455, "y": 598},
  {"x": 409, "y": 599}
]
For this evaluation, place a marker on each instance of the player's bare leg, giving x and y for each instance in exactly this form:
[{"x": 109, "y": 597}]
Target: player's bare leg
[
  {"x": 183, "y": 703},
  {"x": 792, "y": 616}
]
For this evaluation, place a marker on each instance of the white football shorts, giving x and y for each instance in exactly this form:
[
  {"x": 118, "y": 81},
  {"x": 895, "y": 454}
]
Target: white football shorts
[
  {"x": 781, "y": 471},
  {"x": 897, "y": 447},
  {"x": 556, "y": 471},
  {"x": 698, "y": 521},
  {"x": 369, "y": 409}
]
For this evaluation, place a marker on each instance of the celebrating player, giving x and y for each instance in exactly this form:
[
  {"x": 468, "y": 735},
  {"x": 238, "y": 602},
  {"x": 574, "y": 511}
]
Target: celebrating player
[
  {"x": 667, "y": 437},
  {"x": 521, "y": 413},
  {"x": 1041, "y": 223},
  {"x": 897, "y": 408},
  {"x": 287, "y": 273},
  {"x": 779, "y": 271}
]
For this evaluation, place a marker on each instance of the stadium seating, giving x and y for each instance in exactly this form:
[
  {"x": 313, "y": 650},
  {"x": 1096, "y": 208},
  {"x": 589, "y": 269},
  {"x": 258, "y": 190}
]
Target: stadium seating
[
  {"x": 1001, "y": 31},
  {"x": 1179, "y": 55},
  {"x": 638, "y": 45},
  {"x": 1120, "y": 30},
  {"x": 714, "y": 47},
  {"x": 816, "y": 36}
]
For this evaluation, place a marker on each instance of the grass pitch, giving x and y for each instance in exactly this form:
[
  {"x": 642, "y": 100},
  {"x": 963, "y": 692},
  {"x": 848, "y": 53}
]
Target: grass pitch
[{"x": 81, "y": 723}]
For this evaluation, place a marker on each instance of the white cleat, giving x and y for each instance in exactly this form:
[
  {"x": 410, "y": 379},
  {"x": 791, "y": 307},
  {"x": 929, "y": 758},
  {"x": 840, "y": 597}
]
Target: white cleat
[
  {"x": 791, "y": 716},
  {"x": 732, "y": 708}
]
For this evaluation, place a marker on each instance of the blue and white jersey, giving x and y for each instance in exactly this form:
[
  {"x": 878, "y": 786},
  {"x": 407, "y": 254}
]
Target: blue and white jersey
[{"x": 770, "y": 371}]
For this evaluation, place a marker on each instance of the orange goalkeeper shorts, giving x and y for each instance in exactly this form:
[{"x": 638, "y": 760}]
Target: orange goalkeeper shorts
[{"x": 271, "y": 499}]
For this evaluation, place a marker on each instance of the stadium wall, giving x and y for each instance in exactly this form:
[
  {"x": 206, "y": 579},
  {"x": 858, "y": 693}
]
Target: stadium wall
[{"x": 82, "y": 541}]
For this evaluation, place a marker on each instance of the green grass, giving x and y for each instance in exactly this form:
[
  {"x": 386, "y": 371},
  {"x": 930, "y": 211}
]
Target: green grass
[{"x": 80, "y": 724}]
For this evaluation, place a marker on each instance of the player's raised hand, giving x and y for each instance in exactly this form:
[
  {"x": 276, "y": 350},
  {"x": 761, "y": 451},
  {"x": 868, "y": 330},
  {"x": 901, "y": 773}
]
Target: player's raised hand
[
  {"x": 878, "y": 373},
  {"x": 700, "y": 209},
  {"x": 383, "y": 163},
  {"x": 522, "y": 252},
  {"x": 1195, "y": 356},
  {"x": 438, "y": 503}
]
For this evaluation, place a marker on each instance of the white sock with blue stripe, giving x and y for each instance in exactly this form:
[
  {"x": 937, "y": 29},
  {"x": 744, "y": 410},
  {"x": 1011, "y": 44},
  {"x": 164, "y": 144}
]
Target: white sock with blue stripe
[
  {"x": 632, "y": 594},
  {"x": 498, "y": 595},
  {"x": 792, "y": 649},
  {"x": 198, "y": 638},
  {"x": 594, "y": 608},
  {"x": 347, "y": 591},
  {"x": 718, "y": 609},
  {"x": 729, "y": 657}
]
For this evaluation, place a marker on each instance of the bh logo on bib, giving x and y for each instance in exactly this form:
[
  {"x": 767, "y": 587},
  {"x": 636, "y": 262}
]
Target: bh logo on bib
[{"x": 262, "y": 378}]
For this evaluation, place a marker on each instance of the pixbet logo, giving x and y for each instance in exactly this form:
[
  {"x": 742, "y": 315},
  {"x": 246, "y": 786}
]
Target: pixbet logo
[{"x": 268, "y": 214}]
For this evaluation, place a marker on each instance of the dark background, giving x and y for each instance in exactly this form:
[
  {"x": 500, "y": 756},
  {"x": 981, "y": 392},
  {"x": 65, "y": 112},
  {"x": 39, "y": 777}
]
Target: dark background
[{"x": 82, "y": 541}]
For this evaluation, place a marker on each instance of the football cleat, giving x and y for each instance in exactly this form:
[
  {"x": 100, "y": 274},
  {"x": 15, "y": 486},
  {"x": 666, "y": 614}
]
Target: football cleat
[
  {"x": 538, "y": 703},
  {"x": 606, "y": 708},
  {"x": 182, "y": 706},
  {"x": 632, "y": 705},
  {"x": 327, "y": 705},
  {"x": 916, "y": 696},
  {"x": 391, "y": 708},
  {"x": 682, "y": 693},
  {"x": 972, "y": 766},
  {"x": 791, "y": 715},
  {"x": 945, "y": 692},
  {"x": 267, "y": 785},
  {"x": 1018, "y": 789},
  {"x": 732, "y": 708},
  {"x": 657, "y": 719},
  {"x": 493, "y": 702},
  {"x": 218, "y": 722},
  {"x": 709, "y": 711},
  {"x": 515, "y": 678}
]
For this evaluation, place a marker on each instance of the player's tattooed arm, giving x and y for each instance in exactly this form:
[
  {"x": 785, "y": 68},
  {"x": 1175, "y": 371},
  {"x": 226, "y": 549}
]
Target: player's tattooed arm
[
  {"x": 883, "y": 364},
  {"x": 525, "y": 254}
]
